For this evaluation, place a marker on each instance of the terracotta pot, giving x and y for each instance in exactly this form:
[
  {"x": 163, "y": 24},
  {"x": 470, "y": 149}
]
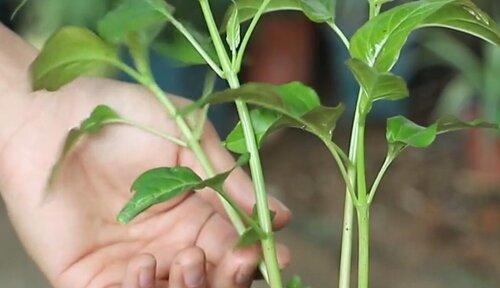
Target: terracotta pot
[{"x": 483, "y": 154}]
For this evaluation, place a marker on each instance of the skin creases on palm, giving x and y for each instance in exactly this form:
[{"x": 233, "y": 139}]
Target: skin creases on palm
[{"x": 71, "y": 231}]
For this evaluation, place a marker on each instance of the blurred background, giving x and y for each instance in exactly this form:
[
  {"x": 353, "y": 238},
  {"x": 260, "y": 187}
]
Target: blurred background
[{"x": 436, "y": 222}]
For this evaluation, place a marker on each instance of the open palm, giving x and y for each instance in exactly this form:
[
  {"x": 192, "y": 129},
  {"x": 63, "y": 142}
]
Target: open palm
[{"x": 71, "y": 231}]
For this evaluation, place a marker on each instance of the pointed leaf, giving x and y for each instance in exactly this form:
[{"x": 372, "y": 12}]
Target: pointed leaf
[
  {"x": 71, "y": 52},
  {"x": 451, "y": 123},
  {"x": 292, "y": 104},
  {"x": 162, "y": 184},
  {"x": 132, "y": 16},
  {"x": 378, "y": 43},
  {"x": 376, "y": 85},
  {"x": 233, "y": 30},
  {"x": 99, "y": 117},
  {"x": 400, "y": 130}
]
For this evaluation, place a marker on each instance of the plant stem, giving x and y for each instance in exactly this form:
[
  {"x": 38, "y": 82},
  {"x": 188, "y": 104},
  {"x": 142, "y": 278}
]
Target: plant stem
[
  {"x": 364, "y": 245},
  {"x": 153, "y": 131},
  {"x": 248, "y": 34},
  {"x": 387, "y": 162},
  {"x": 346, "y": 249},
  {"x": 339, "y": 32},
  {"x": 268, "y": 243}
]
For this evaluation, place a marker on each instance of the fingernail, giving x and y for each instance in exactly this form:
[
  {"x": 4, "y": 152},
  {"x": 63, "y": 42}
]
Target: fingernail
[
  {"x": 283, "y": 207},
  {"x": 244, "y": 275},
  {"x": 194, "y": 277},
  {"x": 147, "y": 278}
]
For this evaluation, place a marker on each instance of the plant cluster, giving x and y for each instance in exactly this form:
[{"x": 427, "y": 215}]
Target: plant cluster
[{"x": 374, "y": 49}]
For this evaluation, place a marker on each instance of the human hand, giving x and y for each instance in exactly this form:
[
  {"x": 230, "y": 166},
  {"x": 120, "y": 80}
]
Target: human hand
[{"x": 72, "y": 234}]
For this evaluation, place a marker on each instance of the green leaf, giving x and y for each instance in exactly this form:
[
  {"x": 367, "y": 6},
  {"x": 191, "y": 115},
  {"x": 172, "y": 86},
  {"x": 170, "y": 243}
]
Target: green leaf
[
  {"x": 296, "y": 282},
  {"x": 400, "y": 130},
  {"x": 100, "y": 116},
  {"x": 71, "y": 52},
  {"x": 162, "y": 184},
  {"x": 263, "y": 121},
  {"x": 248, "y": 238},
  {"x": 378, "y": 43},
  {"x": 319, "y": 10},
  {"x": 248, "y": 8},
  {"x": 288, "y": 105},
  {"x": 133, "y": 16},
  {"x": 233, "y": 30},
  {"x": 451, "y": 123},
  {"x": 377, "y": 85}
]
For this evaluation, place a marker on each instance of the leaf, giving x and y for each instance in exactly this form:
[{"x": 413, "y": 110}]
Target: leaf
[
  {"x": 319, "y": 10},
  {"x": 376, "y": 85},
  {"x": 248, "y": 8},
  {"x": 248, "y": 238},
  {"x": 132, "y": 16},
  {"x": 400, "y": 130},
  {"x": 378, "y": 43},
  {"x": 296, "y": 282},
  {"x": 292, "y": 105},
  {"x": 69, "y": 53},
  {"x": 451, "y": 123},
  {"x": 162, "y": 184},
  {"x": 233, "y": 30},
  {"x": 100, "y": 116}
]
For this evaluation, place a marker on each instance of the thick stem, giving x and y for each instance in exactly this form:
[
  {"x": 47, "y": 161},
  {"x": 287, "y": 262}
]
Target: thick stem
[
  {"x": 268, "y": 243},
  {"x": 364, "y": 245},
  {"x": 346, "y": 249}
]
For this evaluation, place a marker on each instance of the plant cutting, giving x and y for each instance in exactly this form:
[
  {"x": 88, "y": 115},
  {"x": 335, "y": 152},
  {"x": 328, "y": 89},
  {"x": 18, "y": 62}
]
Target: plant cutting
[{"x": 374, "y": 49}]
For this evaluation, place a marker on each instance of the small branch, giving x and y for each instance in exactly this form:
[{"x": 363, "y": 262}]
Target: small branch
[
  {"x": 153, "y": 131},
  {"x": 387, "y": 162},
  {"x": 248, "y": 34},
  {"x": 339, "y": 32}
]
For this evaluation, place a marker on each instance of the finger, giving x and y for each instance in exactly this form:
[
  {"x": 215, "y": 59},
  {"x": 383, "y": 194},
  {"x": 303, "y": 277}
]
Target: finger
[
  {"x": 239, "y": 186},
  {"x": 188, "y": 269},
  {"x": 237, "y": 269},
  {"x": 141, "y": 272}
]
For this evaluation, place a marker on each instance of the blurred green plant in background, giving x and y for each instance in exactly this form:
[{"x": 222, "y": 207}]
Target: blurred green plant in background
[{"x": 476, "y": 87}]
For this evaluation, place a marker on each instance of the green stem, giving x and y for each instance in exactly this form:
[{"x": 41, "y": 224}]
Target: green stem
[
  {"x": 153, "y": 131},
  {"x": 364, "y": 245},
  {"x": 268, "y": 243},
  {"x": 346, "y": 249},
  {"x": 387, "y": 162},
  {"x": 339, "y": 32},
  {"x": 248, "y": 34}
]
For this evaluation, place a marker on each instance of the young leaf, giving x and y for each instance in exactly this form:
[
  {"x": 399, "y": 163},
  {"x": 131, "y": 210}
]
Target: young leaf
[
  {"x": 400, "y": 130},
  {"x": 99, "y": 117},
  {"x": 233, "y": 30},
  {"x": 132, "y": 16},
  {"x": 69, "y": 53},
  {"x": 378, "y": 43},
  {"x": 376, "y": 85},
  {"x": 292, "y": 105},
  {"x": 319, "y": 10},
  {"x": 248, "y": 238}
]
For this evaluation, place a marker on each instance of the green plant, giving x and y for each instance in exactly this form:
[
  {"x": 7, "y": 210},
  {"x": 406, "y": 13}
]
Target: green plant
[{"x": 374, "y": 50}]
